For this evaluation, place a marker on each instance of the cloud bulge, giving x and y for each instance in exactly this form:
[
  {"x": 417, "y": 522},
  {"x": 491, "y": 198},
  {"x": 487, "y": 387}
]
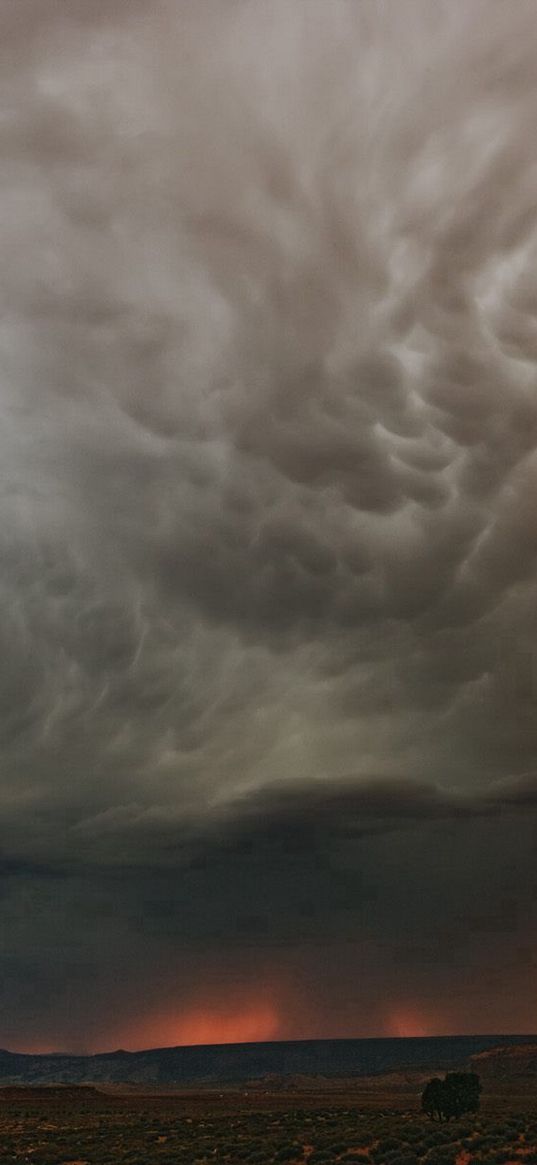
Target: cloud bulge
[{"x": 268, "y": 439}]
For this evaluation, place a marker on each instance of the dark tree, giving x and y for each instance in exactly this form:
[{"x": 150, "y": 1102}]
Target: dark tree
[
  {"x": 462, "y": 1093},
  {"x": 457, "y": 1094},
  {"x": 431, "y": 1100}
]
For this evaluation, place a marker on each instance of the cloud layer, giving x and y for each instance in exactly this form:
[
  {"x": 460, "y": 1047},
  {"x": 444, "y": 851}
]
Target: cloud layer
[{"x": 268, "y": 430}]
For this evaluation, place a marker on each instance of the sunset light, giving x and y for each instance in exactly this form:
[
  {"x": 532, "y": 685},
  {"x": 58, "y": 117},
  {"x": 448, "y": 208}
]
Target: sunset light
[
  {"x": 218, "y": 1024},
  {"x": 408, "y": 1022}
]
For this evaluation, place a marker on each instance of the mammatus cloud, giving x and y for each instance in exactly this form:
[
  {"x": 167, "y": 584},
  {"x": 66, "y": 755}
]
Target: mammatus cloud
[{"x": 268, "y": 429}]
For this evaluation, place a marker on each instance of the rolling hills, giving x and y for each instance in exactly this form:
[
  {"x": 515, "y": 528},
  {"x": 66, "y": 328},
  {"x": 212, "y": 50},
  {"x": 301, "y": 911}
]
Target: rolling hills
[{"x": 232, "y": 1064}]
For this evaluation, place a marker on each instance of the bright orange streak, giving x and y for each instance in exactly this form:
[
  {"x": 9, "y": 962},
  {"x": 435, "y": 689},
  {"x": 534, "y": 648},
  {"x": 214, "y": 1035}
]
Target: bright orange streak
[
  {"x": 207, "y": 1026},
  {"x": 231, "y": 1024},
  {"x": 407, "y": 1022}
]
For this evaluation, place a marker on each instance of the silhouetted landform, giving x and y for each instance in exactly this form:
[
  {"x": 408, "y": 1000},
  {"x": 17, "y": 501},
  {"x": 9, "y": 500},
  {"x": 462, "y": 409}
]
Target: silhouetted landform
[
  {"x": 507, "y": 1063},
  {"x": 233, "y": 1063}
]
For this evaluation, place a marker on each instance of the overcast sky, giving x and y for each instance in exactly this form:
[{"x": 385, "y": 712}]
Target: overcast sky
[{"x": 268, "y": 519}]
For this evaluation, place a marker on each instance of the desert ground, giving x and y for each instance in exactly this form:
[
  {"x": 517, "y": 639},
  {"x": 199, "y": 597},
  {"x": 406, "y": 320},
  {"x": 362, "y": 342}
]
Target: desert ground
[{"x": 371, "y": 1122}]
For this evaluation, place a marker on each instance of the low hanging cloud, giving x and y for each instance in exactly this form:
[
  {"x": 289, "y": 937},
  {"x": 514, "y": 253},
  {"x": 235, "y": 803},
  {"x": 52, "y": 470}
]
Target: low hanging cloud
[
  {"x": 357, "y": 910},
  {"x": 268, "y": 430}
]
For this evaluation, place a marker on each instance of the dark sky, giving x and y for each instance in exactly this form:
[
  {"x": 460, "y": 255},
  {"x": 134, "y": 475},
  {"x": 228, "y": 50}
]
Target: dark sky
[{"x": 268, "y": 521}]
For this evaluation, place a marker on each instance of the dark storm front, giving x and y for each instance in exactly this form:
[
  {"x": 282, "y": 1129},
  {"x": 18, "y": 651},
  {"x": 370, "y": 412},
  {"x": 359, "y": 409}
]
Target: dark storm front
[{"x": 268, "y": 488}]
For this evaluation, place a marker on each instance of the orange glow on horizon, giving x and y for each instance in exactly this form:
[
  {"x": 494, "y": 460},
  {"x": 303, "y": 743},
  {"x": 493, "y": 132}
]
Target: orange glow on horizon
[
  {"x": 41, "y": 1048},
  {"x": 230, "y": 1023},
  {"x": 226, "y": 1013},
  {"x": 410, "y": 1021}
]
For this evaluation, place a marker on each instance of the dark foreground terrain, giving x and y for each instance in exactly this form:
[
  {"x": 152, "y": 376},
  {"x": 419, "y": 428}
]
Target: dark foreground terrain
[{"x": 371, "y": 1122}]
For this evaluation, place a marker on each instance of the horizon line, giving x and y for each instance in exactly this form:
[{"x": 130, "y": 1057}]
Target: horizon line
[{"x": 258, "y": 1043}]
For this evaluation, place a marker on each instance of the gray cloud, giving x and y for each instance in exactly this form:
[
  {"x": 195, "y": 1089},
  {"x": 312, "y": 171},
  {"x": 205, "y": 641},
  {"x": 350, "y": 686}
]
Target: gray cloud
[
  {"x": 267, "y": 430},
  {"x": 413, "y": 897}
]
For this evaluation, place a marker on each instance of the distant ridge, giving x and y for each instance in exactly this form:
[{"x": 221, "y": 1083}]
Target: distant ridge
[
  {"x": 511, "y": 1063},
  {"x": 214, "y": 1064}
]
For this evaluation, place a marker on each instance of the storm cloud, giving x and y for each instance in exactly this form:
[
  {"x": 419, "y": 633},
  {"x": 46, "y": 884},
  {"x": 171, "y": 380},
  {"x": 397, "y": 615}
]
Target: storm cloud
[{"x": 268, "y": 441}]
